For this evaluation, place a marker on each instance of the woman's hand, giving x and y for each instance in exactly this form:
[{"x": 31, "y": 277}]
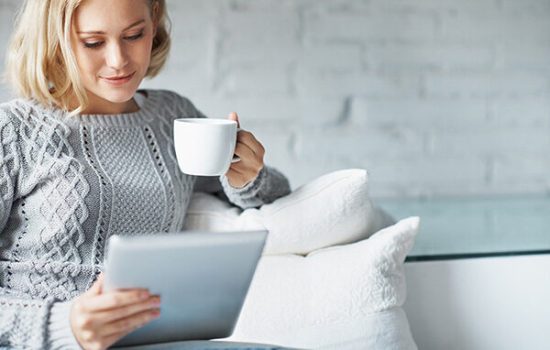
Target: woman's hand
[
  {"x": 99, "y": 319},
  {"x": 251, "y": 153}
]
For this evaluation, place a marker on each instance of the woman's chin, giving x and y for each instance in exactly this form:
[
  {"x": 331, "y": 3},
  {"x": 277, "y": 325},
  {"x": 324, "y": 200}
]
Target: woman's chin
[{"x": 117, "y": 95}]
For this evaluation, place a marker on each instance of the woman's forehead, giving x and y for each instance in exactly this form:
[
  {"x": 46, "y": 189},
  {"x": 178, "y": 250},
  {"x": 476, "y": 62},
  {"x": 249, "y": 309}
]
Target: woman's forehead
[{"x": 109, "y": 15}]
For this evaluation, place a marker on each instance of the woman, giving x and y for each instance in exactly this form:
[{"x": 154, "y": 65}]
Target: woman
[{"x": 86, "y": 155}]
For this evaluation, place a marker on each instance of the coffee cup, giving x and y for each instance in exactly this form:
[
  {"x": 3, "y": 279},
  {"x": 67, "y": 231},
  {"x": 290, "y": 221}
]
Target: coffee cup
[{"x": 205, "y": 146}]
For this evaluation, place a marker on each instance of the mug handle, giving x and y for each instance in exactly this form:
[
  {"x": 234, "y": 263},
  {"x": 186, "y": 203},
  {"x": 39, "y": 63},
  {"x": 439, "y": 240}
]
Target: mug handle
[{"x": 236, "y": 158}]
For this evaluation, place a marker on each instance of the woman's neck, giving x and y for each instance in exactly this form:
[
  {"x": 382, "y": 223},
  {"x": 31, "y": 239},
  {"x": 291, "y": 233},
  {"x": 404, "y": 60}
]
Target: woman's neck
[{"x": 97, "y": 105}]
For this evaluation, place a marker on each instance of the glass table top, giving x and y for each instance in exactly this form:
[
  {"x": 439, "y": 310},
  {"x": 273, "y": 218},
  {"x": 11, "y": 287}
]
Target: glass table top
[{"x": 453, "y": 228}]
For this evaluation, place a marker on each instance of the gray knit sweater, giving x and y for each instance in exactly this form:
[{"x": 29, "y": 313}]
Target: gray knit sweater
[{"x": 68, "y": 183}]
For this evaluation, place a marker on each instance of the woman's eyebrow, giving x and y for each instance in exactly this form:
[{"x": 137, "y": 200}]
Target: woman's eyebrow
[{"x": 100, "y": 32}]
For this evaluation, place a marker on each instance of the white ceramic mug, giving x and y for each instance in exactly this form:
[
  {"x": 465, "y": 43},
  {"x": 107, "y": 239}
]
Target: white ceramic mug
[{"x": 204, "y": 146}]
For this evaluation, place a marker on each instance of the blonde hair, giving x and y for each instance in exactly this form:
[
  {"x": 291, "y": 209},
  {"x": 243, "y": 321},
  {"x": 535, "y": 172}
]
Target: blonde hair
[{"x": 40, "y": 61}]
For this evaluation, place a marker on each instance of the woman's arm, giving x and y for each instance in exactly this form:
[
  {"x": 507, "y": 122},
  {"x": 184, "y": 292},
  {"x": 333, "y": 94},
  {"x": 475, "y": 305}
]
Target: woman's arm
[
  {"x": 23, "y": 320},
  {"x": 268, "y": 186}
]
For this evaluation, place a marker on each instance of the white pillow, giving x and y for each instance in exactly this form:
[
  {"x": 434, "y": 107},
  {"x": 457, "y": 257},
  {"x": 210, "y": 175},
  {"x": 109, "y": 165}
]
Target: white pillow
[
  {"x": 332, "y": 209},
  {"x": 343, "y": 297}
]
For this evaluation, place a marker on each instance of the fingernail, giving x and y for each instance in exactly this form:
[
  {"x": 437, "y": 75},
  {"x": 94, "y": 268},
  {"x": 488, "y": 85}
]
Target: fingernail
[
  {"x": 155, "y": 302},
  {"x": 144, "y": 294},
  {"x": 155, "y": 313}
]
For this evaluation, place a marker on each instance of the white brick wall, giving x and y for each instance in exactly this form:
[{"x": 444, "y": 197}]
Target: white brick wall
[{"x": 434, "y": 97}]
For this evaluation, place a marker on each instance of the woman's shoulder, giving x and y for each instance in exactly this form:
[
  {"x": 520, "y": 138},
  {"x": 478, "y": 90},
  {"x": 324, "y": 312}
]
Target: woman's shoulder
[
  {"x": 15, "y": 110},
  {"x": 23, "y": 110},
  {"x": 171, "y": 100}
]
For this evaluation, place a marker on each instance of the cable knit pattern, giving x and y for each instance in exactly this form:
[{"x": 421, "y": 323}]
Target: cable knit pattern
[
  {"x": 67, "y": 184},
  {"x": 137, "y": 209}
]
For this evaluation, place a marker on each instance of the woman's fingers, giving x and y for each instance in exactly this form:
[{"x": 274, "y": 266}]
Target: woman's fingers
[
  {"x": 236, "y": 179},
  {"x": 235, "y": 117},
  {"x": 244, "y": 152},
  {"x": 116, "y": 299},
  {"x": 130, "y": 323},
  {"x": 128, "y": 310},
  {"x": 248, "y": 139},
  {"x": 249, "y": 159},
  {"x": 251, "y": 153}
]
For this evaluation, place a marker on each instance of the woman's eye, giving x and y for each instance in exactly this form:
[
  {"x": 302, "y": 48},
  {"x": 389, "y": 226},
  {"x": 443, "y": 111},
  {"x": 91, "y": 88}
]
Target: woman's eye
[
  {"x": 135, "y": 37},
  {"x": 93, "y": 45}
]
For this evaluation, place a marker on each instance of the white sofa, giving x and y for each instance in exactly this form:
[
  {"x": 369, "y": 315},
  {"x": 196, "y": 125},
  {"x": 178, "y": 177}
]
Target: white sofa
[{"x": 480, "y": 303}]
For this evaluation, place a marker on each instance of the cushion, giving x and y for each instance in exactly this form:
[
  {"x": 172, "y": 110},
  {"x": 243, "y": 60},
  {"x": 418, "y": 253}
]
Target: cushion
[
  {"x": 332, "y": 209},
  {"x": 342, "y": 297}
]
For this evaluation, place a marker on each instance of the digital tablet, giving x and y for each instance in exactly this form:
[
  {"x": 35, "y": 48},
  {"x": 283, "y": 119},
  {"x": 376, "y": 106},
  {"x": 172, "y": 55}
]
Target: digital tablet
[{"x": 202, "y": 279}]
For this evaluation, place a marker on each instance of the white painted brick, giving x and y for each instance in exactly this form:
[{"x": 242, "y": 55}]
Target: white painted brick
[
  {"x": 10, "y": 6},
  {"x": 495, "y": 28},
  {"x": 188, "y": 24},
  {"x": 358, "y": 143},
  {"x": 316, "y": 112},
  {"x": 6, "y": 93},
  {"x": 464, "y": 6},
  {"x": 264, "y": 5},
  {"x": 187, "y": 9},
  {"x": 462, "y": 115},
  {"x": 301, "y": 171},
  {"x": 357, "y": 27},
  {"x": 491, "y": 141},
  {"x": 277, "y": 141},
  {"x": 521, "y": 55},
  {"x": 7, "y": 18},
  {"x": 508, "y": 83},
  {"x": 261, "y": 28},
  {"x": 349, "y": 83},
  {"x": 194, "y": 32},
  {"x": 433, "y": 97},
  {"x": 332, "y": 6},
  {"x": 274, "y": 111},
  {"x": 335, "y": 57},
  {"x": 420, "y": 114},
  {"x": 527, "y": 171},
  {"x": 188, "y": 81},
  {"x": 256, "y": 82},
  {"x": 427, "y": 176},
  {"x": 186, "y": 52},
  {"x": 539, "y": 7},
  {"x": 521, "y": 112},
  {"x": 234, "y": 56},
  {"x": 430, "y": 56}
]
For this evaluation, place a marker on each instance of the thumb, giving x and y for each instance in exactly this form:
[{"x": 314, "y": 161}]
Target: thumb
[
  {"x": 235, "y": 117},
  {"x": 97, "y": 287}
]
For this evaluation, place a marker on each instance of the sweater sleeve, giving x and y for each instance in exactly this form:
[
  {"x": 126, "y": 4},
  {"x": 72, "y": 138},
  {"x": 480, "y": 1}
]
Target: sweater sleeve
[
  {"x": 34, "y": 324},
  {"x": 60, "y": 335},
  {"x": 23, "y": 319},
  {"x": 268, "y": 186}
]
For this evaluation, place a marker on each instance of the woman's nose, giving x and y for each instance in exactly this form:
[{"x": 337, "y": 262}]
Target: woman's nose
[{"x": 116, "y": 56}]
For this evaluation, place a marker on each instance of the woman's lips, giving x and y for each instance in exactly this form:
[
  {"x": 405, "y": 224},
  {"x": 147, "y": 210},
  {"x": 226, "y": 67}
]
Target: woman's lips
[{"x": 119, "y": 80}]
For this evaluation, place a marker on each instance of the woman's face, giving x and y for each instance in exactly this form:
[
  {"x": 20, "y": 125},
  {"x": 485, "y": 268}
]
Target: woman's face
[{"x": 112, "y": 42}]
